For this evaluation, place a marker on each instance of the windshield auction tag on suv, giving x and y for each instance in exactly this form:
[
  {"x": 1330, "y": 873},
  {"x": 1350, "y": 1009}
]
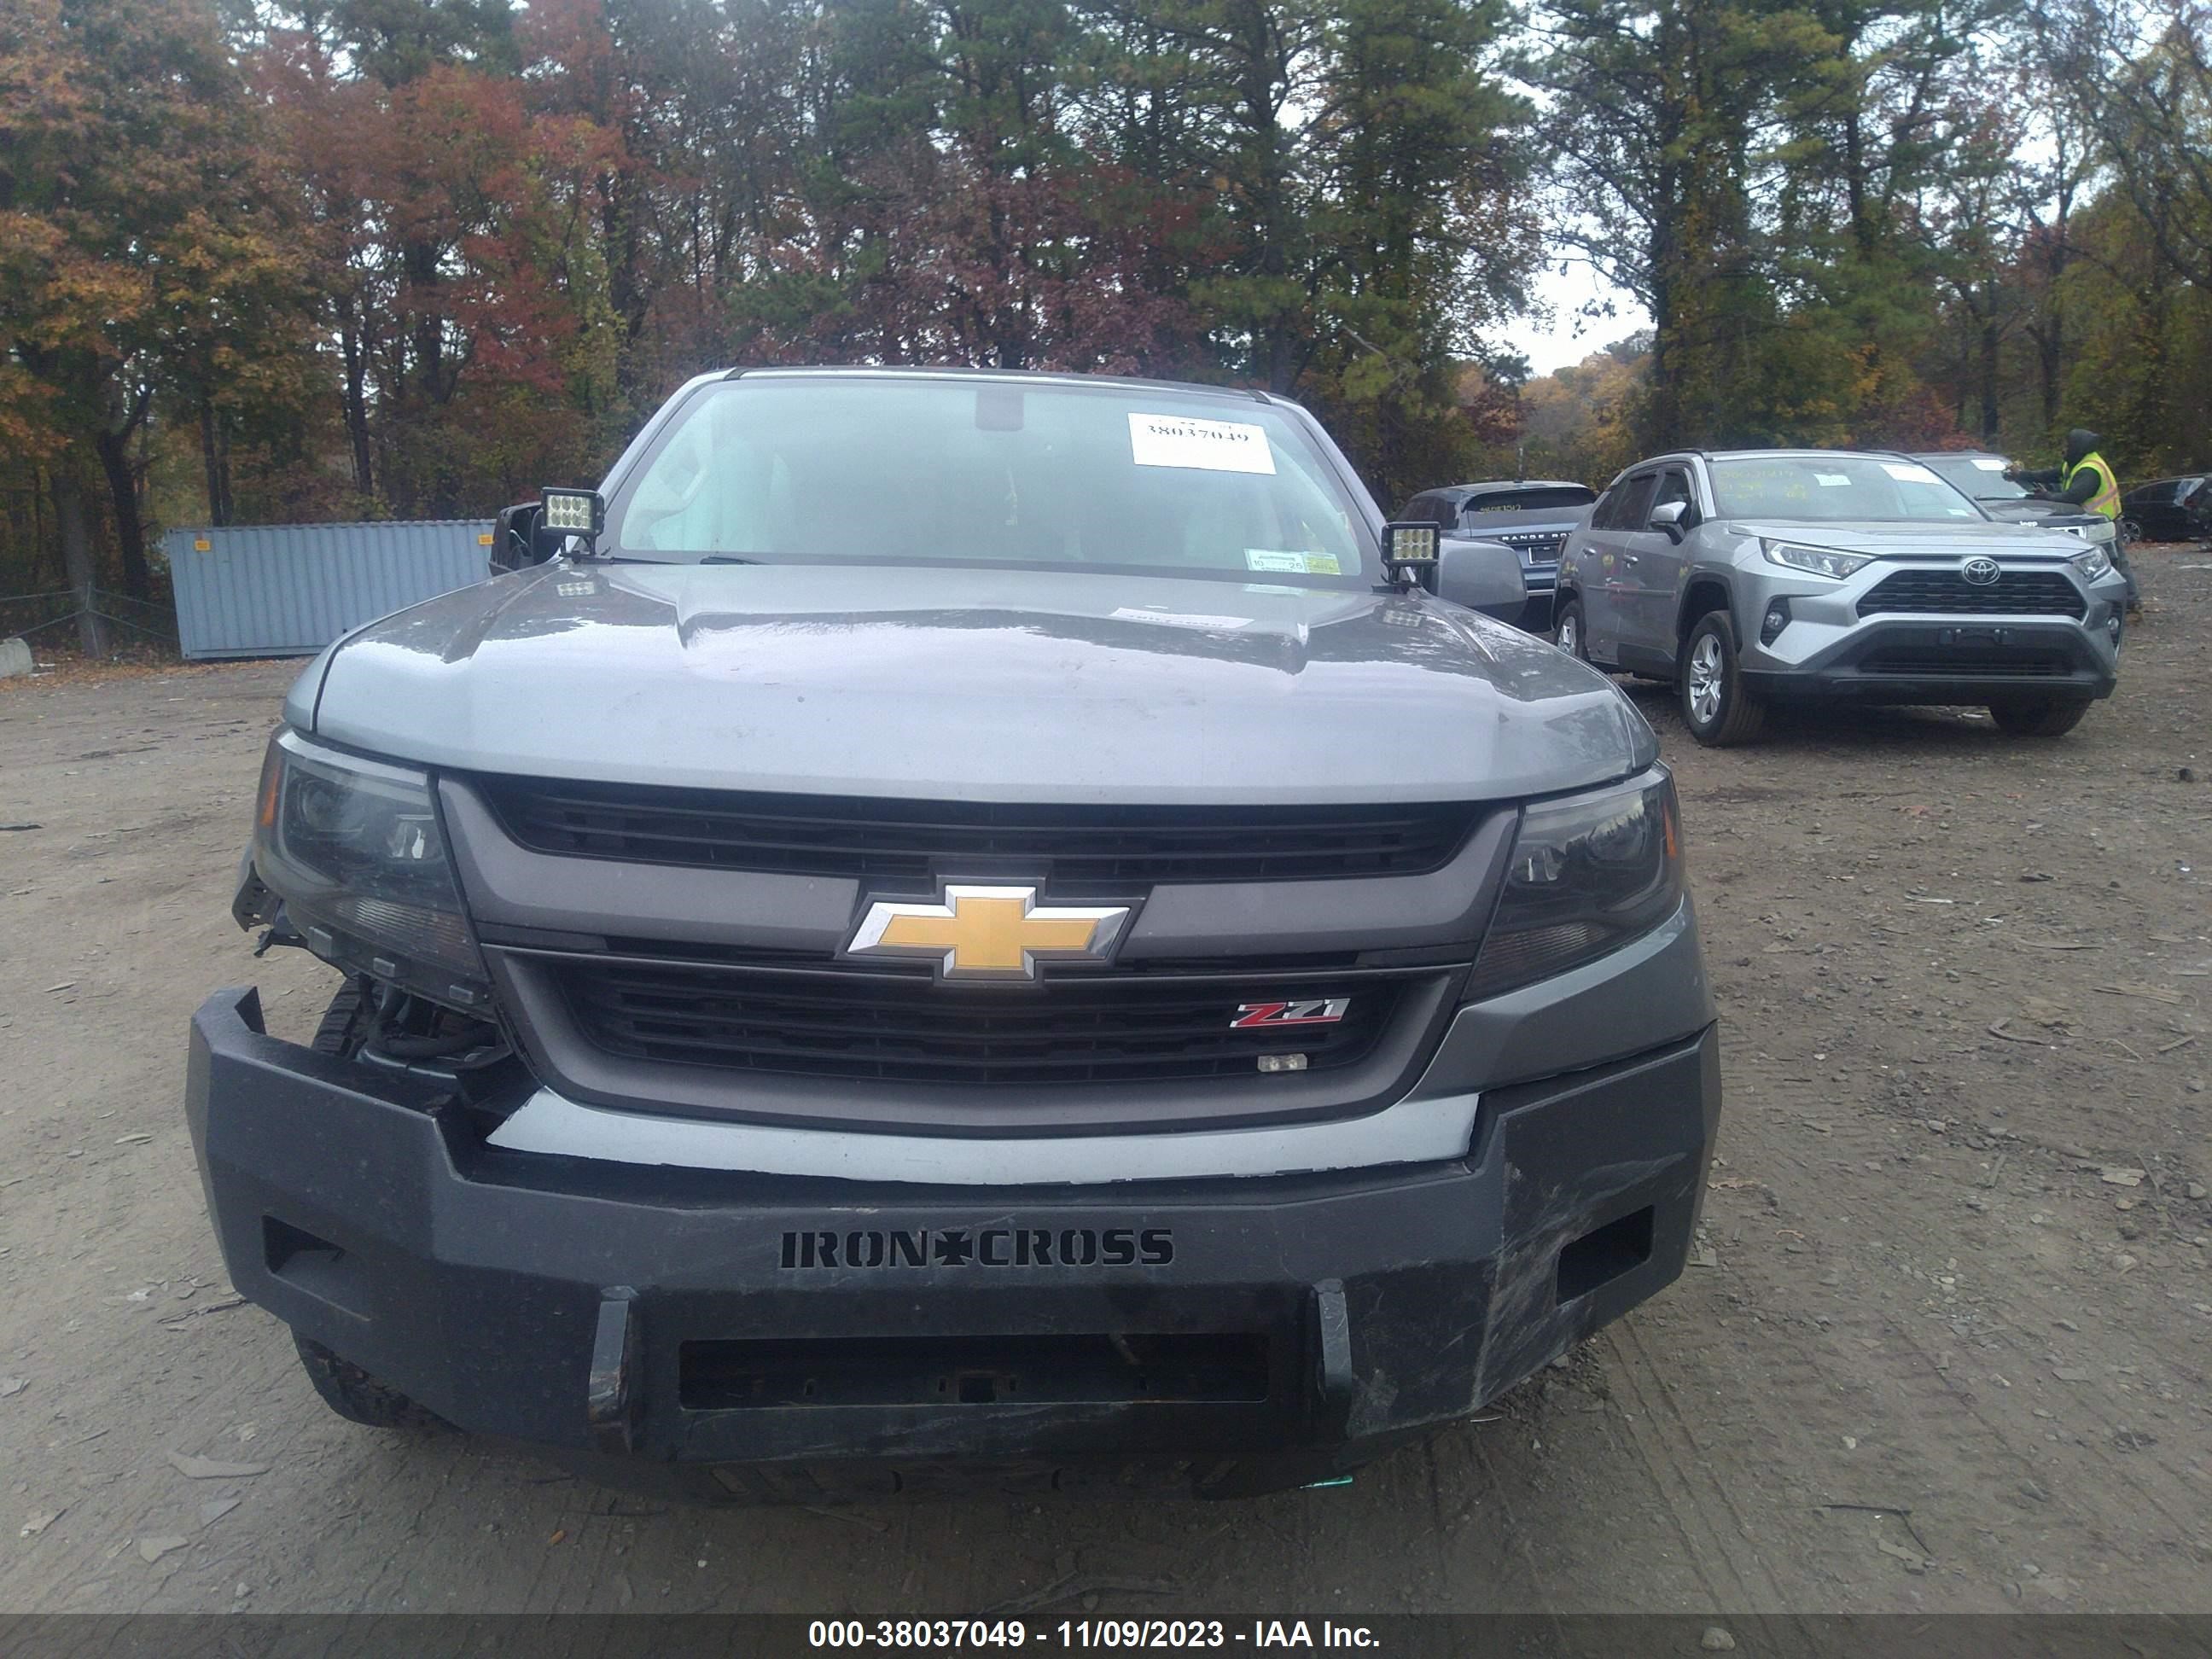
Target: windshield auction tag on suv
[{"x": 1210, "y": 445}]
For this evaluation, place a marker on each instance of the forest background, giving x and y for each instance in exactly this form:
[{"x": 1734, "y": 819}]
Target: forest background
[{"x": 282, "y": 260}]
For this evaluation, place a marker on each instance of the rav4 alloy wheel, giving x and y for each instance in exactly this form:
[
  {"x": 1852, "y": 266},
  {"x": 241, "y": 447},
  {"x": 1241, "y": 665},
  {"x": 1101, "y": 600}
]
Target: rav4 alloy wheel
[{"x": 1717, "y": 706}]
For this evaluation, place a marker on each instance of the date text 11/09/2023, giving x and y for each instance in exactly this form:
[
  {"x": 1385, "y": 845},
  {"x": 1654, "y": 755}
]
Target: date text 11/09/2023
[{"x": 963, "y": 1633}]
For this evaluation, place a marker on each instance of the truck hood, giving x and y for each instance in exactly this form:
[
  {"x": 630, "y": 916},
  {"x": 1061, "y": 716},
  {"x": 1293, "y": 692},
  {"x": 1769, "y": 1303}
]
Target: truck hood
[
  {"x": 1934, "y": 540},
  {"x": 954, "y": 683}
]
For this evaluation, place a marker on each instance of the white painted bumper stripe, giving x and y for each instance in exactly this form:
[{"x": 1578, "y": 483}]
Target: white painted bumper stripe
[{"x": 1411, "y": 1131}]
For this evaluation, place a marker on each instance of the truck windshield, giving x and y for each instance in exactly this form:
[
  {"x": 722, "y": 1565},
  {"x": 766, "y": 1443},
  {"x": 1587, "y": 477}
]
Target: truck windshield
[
  {"x": 1981, "y": 477},
  {"x": 885, "y": 468},
  {"x": 1833, "y": 487}
]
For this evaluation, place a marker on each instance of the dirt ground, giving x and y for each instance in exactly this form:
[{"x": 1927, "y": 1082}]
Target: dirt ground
[{"x": 1944, "y": 1348}]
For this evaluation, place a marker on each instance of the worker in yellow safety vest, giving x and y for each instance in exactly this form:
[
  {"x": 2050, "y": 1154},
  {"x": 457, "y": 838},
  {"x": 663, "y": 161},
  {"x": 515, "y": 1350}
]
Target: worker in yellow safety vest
[{"x": 2087, "y": 480}]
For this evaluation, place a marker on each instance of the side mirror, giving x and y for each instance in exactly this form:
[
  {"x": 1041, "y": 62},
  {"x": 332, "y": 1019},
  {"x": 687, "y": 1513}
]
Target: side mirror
[
  {"x": 1483, "y": 576},
  {"x": 1676, "y": 518},
  {"x": 514, "y": 538},
  {"x": 533, "y": 532}
]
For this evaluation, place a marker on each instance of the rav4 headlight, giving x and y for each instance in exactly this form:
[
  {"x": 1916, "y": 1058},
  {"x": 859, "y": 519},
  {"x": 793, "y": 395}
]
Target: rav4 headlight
[
  {"x": 1815, "y": 561},
  {"x": 355, "y": 849},
  {"x": 2094, "y": 565},
  {"x": 1589, "y": 873}
]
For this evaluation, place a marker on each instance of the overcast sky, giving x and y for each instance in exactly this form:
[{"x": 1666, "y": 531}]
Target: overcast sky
[{"x": 1570, "y": 337}]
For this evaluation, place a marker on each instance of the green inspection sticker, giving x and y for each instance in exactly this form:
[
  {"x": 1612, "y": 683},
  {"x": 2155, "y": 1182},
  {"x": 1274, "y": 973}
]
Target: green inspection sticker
[{"x": 1301, "y": 564}]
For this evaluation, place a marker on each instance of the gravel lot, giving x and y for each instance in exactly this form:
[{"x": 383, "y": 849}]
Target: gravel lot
[{"x": 1945, "y": 1347}]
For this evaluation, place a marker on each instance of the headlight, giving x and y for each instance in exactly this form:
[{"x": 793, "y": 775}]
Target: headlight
[
  {"x": 2103, "y": 529},
  {"x": 355, "y": 849},
  {"x": 2094, "y": 565},
  {"x": 1816, "y": 560},
  {"x": 1588, "y": 874}
]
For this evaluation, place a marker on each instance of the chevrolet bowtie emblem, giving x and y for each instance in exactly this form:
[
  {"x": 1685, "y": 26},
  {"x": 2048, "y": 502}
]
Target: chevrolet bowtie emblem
[{"x": 989, "y": 932}]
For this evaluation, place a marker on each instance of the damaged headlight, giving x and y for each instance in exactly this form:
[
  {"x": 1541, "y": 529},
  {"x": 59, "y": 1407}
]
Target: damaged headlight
[
  {"x": 355, "y": 849},
  {"x": 1589, "y": 873}
]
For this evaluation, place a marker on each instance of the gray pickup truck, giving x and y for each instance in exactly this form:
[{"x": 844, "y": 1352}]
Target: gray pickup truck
[{"x": 951, "y": 926}]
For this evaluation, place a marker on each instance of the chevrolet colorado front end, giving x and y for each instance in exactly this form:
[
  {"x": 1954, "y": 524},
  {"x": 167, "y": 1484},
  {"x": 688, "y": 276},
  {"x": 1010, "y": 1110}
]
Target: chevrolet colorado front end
[{"x": 959, "y": 927}]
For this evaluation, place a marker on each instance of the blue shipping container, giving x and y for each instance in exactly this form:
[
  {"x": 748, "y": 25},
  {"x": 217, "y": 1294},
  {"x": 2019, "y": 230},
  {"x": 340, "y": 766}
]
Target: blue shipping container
[{"x": 288, "y": 590}]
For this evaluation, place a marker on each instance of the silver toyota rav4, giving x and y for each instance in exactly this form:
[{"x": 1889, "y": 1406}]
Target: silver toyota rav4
[{"x": 1745, "y": 578}]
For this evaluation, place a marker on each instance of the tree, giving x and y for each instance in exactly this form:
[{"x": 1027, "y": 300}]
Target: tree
[
  {"x": 1660, "y": 111},
  {"x": 135, "y": 239},
  {"x": 2139, "y": 74},
  {"x": 1422, "y": 232}
]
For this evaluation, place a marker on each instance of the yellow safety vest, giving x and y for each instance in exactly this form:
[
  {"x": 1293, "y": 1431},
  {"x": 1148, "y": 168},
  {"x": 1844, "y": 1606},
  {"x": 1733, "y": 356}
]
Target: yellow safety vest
[{"x": 2106, "y": 501}]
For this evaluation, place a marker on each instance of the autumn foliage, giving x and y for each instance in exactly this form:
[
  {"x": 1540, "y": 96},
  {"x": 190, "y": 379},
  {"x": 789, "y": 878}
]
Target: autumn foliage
[{"x": 340, "y": 258}]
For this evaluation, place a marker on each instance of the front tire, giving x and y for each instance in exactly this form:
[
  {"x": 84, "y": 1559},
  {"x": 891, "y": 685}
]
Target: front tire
[
  {"x": 2045, "y": 717},
  {"x": 1567, "y": 631},
  {"x": 1717, "y": 706}
]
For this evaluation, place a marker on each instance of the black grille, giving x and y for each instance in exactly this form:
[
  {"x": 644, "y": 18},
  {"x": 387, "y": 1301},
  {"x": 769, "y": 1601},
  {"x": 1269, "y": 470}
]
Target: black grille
[
  {"x": 1127, "y": 848},
  {"x": 1981, "y": 665},
  {"x": 865, "y": 1029},
  {"x": 1945, "y": 593}
]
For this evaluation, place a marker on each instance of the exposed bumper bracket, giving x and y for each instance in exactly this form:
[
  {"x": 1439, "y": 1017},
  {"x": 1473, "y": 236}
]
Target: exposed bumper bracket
[
  {"x": 1329, "y": 1326},
  {"x": 609, "y": 1396}
]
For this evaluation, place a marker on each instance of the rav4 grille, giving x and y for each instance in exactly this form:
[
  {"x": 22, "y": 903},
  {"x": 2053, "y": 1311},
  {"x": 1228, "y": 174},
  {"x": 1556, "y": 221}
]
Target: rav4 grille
[
  {"x": 865, "y": 1028},
  {"x": 1945, "y": 593},
  {"x": 1127, "y": 846},
  {"x": 1950, "y": 664}
]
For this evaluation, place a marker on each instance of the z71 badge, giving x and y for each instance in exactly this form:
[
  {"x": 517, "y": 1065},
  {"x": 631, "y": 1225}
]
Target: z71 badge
[
  {"x": 981, "y": 1247},
  {"x": 1268, "y": 1015}
]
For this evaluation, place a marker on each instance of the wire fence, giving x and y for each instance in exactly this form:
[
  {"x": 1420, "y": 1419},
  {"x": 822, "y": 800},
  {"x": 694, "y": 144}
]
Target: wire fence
[{"x": 146, "y": 620}]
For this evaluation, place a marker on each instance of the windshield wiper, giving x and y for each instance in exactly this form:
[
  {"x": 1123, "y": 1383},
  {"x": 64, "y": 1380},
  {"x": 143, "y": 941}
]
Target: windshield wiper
[{"x": 633, "y": 558}]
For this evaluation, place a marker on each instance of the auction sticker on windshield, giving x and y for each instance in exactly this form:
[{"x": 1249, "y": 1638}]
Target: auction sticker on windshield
[
  {"x": 1303, "y": 564},
  {"x": 1906, "y": 472},
  {"x": 1210, "y": 445}
]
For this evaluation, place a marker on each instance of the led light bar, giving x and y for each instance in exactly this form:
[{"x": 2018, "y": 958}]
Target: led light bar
[
  {"x": 575, "y": 512},
  {"x": 1409, "y": 544}
]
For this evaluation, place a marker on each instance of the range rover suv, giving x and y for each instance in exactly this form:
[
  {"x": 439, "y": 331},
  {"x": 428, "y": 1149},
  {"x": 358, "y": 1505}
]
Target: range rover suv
[
  {"x": 1096, "y": 978},
  {"x": 1749, "y": 577},
  {"x": 1532, "y": 516}
]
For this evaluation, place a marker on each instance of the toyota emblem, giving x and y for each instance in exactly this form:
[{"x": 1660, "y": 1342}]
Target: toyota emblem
[{"x": 1980, "y": 572}]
